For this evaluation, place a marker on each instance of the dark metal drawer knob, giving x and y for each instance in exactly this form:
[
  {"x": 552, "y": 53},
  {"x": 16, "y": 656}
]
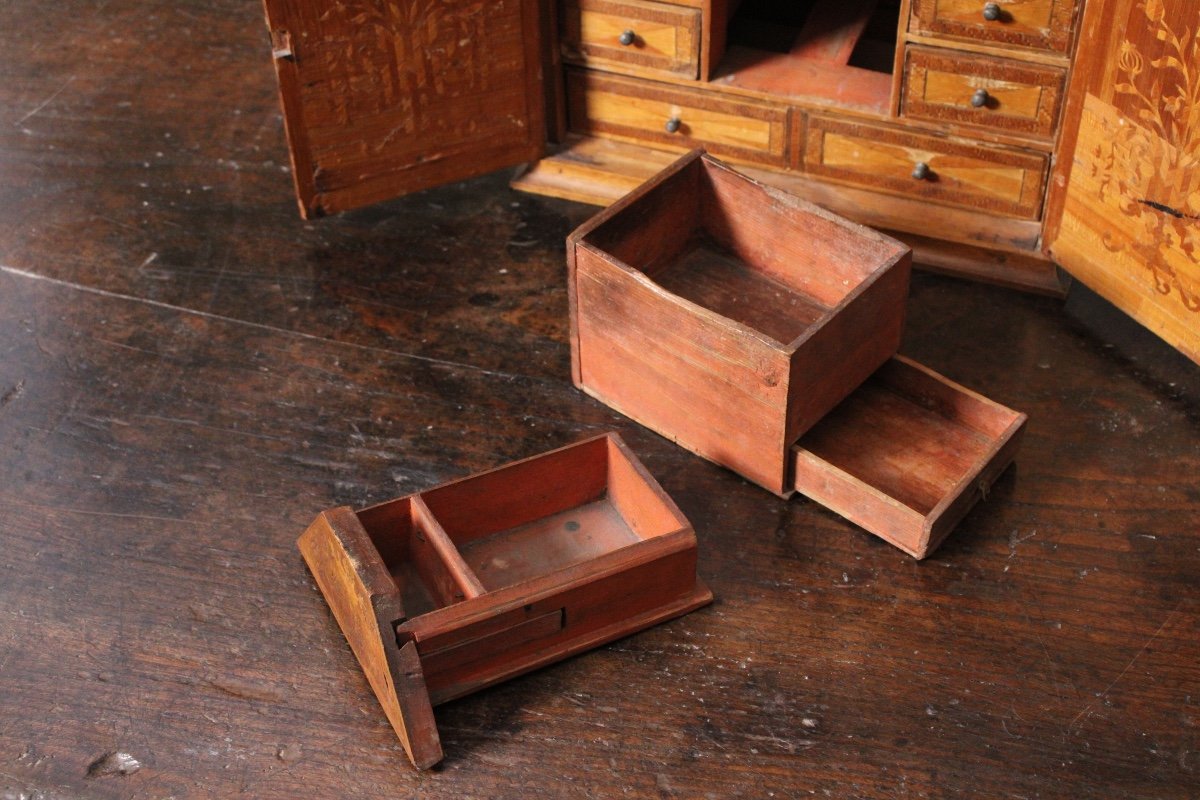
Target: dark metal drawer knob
[
  {"x": 980, "y": 98},
  {"x": 921, "y": 171},
  {"x": 991, "y": 11},
  {"x": 672, "y": 125},
  {"x": 627, "y": 38}
]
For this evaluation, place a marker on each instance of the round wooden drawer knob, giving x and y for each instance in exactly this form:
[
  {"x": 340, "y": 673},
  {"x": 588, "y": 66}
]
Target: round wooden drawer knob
[
  {"x": 980, "y": 98},
  {"x": 627, "y": 38},
  {"x": 921, "y": 171},
  {"x": 672, "y": 125},
  {"x": 991, "y": 11}
]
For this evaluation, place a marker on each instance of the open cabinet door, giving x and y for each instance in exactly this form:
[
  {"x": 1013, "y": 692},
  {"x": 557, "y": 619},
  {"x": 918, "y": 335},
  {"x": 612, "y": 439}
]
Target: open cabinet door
[
  {"x": 385, "y": 97},
  {"x": 1124, "y": 209}
]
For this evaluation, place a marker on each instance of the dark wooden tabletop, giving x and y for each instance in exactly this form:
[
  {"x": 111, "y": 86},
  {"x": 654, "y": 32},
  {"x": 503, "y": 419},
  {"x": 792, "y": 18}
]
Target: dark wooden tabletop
[{"x": 189, "y": 373}]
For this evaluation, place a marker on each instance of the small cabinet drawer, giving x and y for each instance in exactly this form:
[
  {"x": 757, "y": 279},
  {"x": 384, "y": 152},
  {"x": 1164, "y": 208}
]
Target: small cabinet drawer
[
  {"x": 632, "y": 36},
  {"x": 1037, "y": 24},
  {"x": 977, "y": 90},
  {"x": 677, "y": 118},
  {"x": 1000, "y": 180}
]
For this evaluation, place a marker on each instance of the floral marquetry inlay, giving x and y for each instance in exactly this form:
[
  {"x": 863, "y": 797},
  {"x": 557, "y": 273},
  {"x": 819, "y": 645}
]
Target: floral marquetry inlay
[{"x": 1147, "y": 165}]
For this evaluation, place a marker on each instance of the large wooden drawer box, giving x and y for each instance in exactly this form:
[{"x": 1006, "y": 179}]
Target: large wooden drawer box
[
  {"x": 470, "y": 583},
  {"x": 1035, "y": 24},
  {"x": 988, "y": 93},
  {"x": 634, "y": 36},
  {"x": 673, "y": 117},
  {"x": 998, "y": 179},
  {"x": 730, "y": 314},
  {"x": 759, "y": 331}
]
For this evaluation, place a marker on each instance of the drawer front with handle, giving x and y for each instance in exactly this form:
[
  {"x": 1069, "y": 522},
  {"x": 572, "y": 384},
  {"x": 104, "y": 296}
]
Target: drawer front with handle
[
  {"x": 677, "y": 118},
  {"x": 632, "y": 36},
  {"x": 1000, "y": 180},
  {"x": 993, "y": 93},
  {"x": 1037, "y": 24}
]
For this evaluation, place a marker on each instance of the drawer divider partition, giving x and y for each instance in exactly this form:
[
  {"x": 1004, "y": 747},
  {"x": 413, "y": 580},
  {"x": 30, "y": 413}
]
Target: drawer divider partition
[{"x": 437, "y": 537}]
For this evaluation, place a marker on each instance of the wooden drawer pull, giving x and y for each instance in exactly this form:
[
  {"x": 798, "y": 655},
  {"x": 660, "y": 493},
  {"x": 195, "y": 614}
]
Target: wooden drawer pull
[
  {"x": 980, "y": 98},
  {"x": 673, "y": 124},
  {"x": 991, "y": 11},
  {"x": 627, "y": 37},
  {"x": 921, "y": 171}
]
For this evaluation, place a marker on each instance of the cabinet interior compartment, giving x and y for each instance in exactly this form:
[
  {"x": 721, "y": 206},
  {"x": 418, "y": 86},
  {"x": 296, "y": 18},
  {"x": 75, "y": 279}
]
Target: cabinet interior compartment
[{"x": 842, "y": 52}]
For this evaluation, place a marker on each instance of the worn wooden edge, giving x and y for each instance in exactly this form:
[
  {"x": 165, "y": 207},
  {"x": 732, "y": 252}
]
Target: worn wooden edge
[
  {"x": 531, "y": 590},
  {"x": 464, "y": 577},
  {"x": 286, "y": 71},
  {"x": 906, "y": 524},
  {"x": 974, "y": 487},
  {"x": 699, "y": 597},
  {"x": 366, "y": 604},
  {"x": 918, "y": 534},
  {"x": 644, "y": 474},
  {"x": 576, "y": 237},
  {"x": 600, "y": 171}
]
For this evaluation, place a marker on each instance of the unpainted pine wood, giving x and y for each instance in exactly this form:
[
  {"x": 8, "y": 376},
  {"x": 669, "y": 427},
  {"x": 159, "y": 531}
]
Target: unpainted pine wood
[
  {"x": 1035, "y": 24},
  {"x": 383, "y": 100},
  {"x": 1002, "y": 181},
  {"x": 366, "y": 603},
  {"x": 939, "y": 86},
  {"x": 666, "y": 38},
  {"x": 1123, "y": 208}
]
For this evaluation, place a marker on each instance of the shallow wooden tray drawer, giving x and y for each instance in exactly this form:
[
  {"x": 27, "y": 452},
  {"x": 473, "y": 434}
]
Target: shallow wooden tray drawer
[
  {"x": 996, "y": 179},
  {"x": 729, "y": 316},
  {"x": 992, "y": 93},
  {"x": 907, "y": 455},
  {"x": 632, "y": 36},
  {"x": 475, "y": 581},
  {"x": 1036, "y": 24},
  {"x": 674, "y": 117}
]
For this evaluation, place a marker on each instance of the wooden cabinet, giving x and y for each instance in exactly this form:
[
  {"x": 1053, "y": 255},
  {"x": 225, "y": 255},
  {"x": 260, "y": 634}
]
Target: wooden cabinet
[{"x": 938, "y": 120}]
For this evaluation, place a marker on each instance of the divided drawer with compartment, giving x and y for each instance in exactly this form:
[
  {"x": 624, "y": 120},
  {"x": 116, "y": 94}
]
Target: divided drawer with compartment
[{"x": 458, "y": 587}]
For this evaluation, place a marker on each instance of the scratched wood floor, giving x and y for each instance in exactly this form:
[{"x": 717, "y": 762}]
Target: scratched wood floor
[{"x": 188, "y": 373}]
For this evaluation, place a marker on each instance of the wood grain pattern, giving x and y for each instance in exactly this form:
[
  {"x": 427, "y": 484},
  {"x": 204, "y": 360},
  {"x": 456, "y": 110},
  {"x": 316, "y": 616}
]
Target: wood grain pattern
[
  {"x": 699, "y": 374},
  {"x": 1040, "y": 24},
  {"x": 666, "y": 38},
  {"x": 939, "y": 86},
  {"x": 384, "y": 99},
  {"x": 367, "y": 606},
  {"x": 999, "y": 250},
  {"x": 734, "y": 128},
  {"x": 258, "y": 370},
  {"x": 1126, "y": 192},
  {"x": 550, "y": 558},
  {"x": 1002, "y": 181},
  {"x": 907, "y": 455}
]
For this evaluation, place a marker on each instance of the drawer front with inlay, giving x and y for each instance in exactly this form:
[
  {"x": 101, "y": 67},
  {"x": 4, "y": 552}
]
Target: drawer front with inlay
[
  {"x": 632, "y": 36},
  {"x": 677, "y": 118},
  {"x": 993, "y": 93},
  {"x": 1000, "y": 180},
  {"x": 1037, "y": 24}
]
